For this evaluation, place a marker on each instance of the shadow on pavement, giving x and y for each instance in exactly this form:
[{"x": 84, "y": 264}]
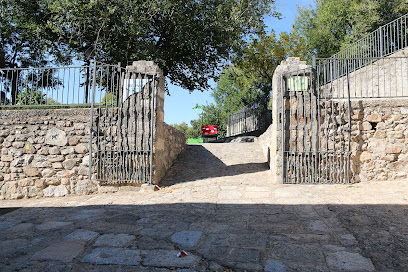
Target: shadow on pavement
[
  {"x": 216, "y": 236},
  {"x": 195, "y": 162}
]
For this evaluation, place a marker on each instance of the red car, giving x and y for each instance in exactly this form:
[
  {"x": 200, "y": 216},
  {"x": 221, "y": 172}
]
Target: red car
[{"x": 209, "y": 130}]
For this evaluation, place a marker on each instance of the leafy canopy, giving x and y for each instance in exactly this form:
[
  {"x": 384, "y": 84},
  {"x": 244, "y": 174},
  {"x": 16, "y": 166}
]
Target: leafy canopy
[
  {"x": 187, "y": 39},
  {"x": 335, "y": 24}
]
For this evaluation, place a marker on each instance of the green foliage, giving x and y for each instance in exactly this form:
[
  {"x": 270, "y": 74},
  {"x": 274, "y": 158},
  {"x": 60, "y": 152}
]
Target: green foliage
[
  {"x": 31, "y": 96},
  {"x": 188, "y": 131},
  {"x": 249, "y": 80},
  {"x": 109, "y": 99},
  {"x": 335, "y": 24},
  {"x": 187, "y": 39}
]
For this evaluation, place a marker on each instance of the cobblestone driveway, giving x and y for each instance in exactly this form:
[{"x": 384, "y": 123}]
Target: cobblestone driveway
[{"x": 218, "y": 206}]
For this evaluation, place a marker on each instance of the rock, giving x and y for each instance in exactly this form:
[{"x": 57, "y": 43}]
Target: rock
[
  {"x": 29, "y": 149},
  {"x": 27, "y": 159},
  {"x": 43, "y": 151},
  {"x": 15, "y": 152},
  {"x": 79, "y": 126},
  {"x": 168, "y": 258},
  {"x": 73, "y": 141},
  {"x": 47, "y": 173},
  {"x": 85, "y": 187},
  {"x": 366, "y": 126},
  {"x": 21, "y": 138},
  {"x": 40, "y": 183},
  {"x": 380, "y": 134},
  {"x": 347, "y": 261},
  {"x": 83, "y": 171},
  {"x": 57, "y": 165},
  {"x": 82, "y": 235},
  {"x": 54, "y": 150},
  {"x": 187, "y": 238},
  {"x": 31, "y": 172},
  {"x": 40, "y": 164},
  {"x": 114, "y": 240},
  {"x": 26, "y": 182},
  {"x": 4, "y": 133},
  {"x": 53, "y": 181},
  {"x": 56, "y": 137},
  {"x": 69, "y": 164},
  {"x": 69, "y": 150},
  {"x": 81, "y": 149},
  {"x": 6, "y": 158},
  {"x": 395, "y": 134},
  {"x": 17, "y": 162},
  {"x": 274, "y": 266},
  {"x": 56, "y": 158},
  {"x": 365, "y": 156},
  {"x": 390, "y": 157},
  {"x": 85, "y": 161},
  {"x": 57, "y": 191},
  {"x": 393, "y": 149},
  {"x": 1, "y": 177},
  {"x": 18, "y": 144},
  {"x": 118, "y": 256}
]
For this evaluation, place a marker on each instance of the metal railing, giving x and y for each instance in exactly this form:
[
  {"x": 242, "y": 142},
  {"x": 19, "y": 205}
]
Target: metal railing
[
  {"x": 248, "y": 119},
  {"x": 382, "y": 77},
  {"x": 53, "y": 87},
  {"x": 383, "y": 42}
]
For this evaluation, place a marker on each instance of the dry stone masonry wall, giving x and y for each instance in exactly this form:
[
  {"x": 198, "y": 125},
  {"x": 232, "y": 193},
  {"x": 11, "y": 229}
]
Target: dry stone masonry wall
[
  {"x": 44, "y": 153},
  {"x": 379, "y": 139}
]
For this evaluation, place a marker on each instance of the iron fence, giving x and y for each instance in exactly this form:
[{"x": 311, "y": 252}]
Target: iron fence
[
  {"x": 381, "y": 77},
  {"x": 315, "y": 130},
  {"x": 383, "y": 42},
  {"x": 122, "y": 130},
  {"x": 53, "y": 87},
  {"x": 249, "y": 119}
]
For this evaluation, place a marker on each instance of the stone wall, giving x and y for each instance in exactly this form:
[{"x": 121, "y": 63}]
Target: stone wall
[
  {"x": 44, "y": 153},
  {"x": 379, "y": 131},
  {"x": 379, "y": 139},
  {"x": 168, "y": 145}
]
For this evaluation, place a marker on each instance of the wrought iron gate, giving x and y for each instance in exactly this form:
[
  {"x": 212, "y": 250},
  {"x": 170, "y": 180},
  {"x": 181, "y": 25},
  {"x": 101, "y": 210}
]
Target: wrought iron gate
[
  {"x": 122, "y": 130},
  {"x": 316, "y": 123}
]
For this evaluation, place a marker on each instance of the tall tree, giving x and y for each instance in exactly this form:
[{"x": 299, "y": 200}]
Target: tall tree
[
  {"x": 335, "y": 24},
  {"x": 187, "y": 39},
  {"x": 25, "y": 39}
]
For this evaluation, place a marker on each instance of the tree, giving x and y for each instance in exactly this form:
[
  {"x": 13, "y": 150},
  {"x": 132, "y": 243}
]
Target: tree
[
  {"x": 187, "y": 39},
  {"x": 335, "y": 24},
  {"x": 249, "y": 79},
  {"x": 26, "y": 40}
]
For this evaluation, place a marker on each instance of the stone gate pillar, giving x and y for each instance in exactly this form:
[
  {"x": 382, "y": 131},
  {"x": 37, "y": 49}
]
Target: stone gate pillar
[{"x": 292, "y": 64}]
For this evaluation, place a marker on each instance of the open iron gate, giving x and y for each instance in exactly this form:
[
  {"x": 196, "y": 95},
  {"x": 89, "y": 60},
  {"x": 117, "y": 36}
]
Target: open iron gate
[
  {"x": 122, "y": 125},
  {"x": 316, "y": 122}
]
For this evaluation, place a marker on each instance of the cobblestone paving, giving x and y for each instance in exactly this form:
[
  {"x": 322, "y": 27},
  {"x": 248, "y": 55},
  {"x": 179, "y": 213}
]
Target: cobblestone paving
[{"x": 219, "y": 206}]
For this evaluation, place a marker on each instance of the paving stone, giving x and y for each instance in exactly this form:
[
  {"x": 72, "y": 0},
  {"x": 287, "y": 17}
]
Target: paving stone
[
  {"x": 347, "y": 261},
  {"x": 114, "y": 240},
  {"x": 348, "y": 240},
  {"x": 52, "y": 225},
  {"x": 186, "y": 237},
  {"x": 64, "y": 251},
  {"x": 298, "y": 253},
  {"x": 84, "y": 216},
  {"x": 118, "y": 256},
  {"x": 6, "y": 225},
  {"x": 317, "y": 225},
  {"x": 168, "y": 258},
  {"x": 81, "y": 234},
  {"x": 274, "y": 266}
]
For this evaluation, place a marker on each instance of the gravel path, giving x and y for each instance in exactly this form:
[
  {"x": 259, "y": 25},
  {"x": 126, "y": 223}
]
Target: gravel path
[{"x": 219, "y": 206}]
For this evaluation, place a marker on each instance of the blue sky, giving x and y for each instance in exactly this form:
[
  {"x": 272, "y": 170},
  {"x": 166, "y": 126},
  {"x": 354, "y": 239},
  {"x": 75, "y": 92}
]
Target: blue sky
[{"x": 178, "y": 107}]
